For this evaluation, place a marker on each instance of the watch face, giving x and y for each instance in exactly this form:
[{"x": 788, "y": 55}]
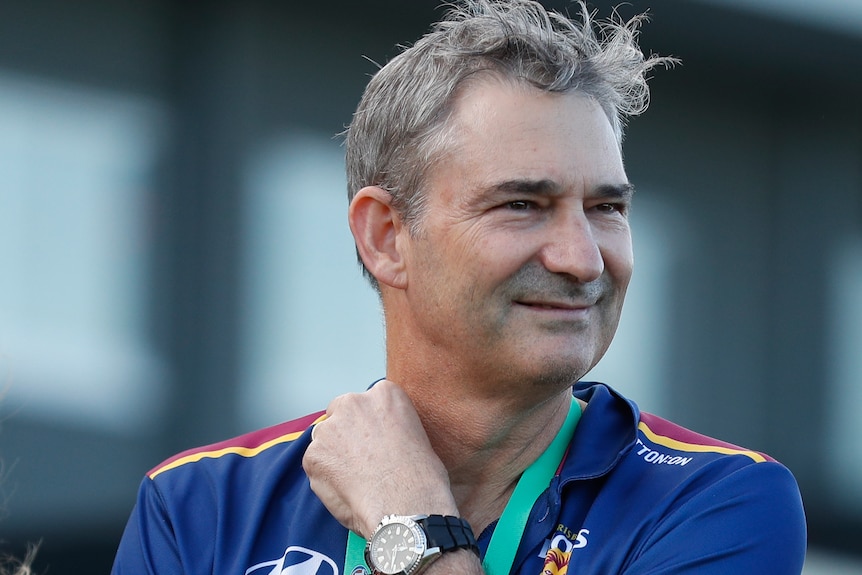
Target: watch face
[{"x": 396, "y": 548}]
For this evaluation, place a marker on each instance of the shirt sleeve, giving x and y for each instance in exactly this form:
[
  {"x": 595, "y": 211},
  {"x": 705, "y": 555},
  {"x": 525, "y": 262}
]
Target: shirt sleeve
[
  {"x": 148, "y": 545},
  {"x": 750, "y": 521}
]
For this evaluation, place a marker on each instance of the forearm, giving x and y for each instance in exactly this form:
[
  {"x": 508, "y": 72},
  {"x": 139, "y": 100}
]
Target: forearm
[{"x": 461, "y": 562}]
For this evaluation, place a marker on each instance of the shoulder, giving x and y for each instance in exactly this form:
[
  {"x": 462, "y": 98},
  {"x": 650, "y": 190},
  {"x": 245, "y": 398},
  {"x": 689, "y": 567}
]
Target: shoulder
[
  {"x": 656, "y": 432},
  {"x": 710, "y": 467},
  {"x": 686, "y": 463},
  {"x": 748, "y": 502},
  {"x": 654, "y": 483},
  {"x": 233, "y": 491},
  {"x": 245, "y": 447},
  {"x": 741, "y": 495},
  {"x": 194, "y": 487}
]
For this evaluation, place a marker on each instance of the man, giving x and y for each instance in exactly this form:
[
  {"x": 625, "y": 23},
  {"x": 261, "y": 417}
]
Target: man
[{"x": 489, "y": 206}]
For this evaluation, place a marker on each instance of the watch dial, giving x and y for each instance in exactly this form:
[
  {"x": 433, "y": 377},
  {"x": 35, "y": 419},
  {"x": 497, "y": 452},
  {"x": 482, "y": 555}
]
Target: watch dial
[{"x": 395, "y": 549}]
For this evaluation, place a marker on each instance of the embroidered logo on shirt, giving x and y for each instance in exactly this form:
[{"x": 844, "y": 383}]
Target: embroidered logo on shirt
[
  {"x": 559, "y": 551},
  {"x": 296, "y": 561},
  {"x": 556, "y": 562}
]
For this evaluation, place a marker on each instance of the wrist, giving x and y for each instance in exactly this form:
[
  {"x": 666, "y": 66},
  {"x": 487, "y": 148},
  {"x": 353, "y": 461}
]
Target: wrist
[
  {"x": 407, "y": 545},
  {"x": 443, "y": 505}
]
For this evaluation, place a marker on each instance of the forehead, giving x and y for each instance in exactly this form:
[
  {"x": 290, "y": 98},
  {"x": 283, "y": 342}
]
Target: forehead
[{"x": 506, "y": 130}]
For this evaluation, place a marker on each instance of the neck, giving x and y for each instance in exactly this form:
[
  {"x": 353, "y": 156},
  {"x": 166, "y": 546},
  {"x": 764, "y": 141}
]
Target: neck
[
  {"x": 485, "y": 442},
  {"x": 486, "y": 425}
]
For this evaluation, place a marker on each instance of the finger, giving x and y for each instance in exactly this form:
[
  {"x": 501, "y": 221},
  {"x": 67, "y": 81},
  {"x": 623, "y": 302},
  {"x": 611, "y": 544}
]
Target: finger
[{"x": 315, "y": 427}]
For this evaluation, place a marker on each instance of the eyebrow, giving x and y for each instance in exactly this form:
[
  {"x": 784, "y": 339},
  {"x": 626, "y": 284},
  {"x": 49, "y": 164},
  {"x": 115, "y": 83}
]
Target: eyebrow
[
  {"x": 543, "y": 187},
  {"x": 546, "y": 187},
  {"x": 615, "y": 191}
]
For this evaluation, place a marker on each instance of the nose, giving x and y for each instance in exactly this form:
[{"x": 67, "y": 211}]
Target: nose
[{"x": 571, "y": 248}]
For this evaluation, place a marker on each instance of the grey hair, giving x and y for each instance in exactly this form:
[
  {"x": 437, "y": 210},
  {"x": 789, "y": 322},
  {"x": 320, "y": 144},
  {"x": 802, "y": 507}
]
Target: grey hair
[
  {"x": 11, "y": 566},
  {"x": 400, "y": 128}
]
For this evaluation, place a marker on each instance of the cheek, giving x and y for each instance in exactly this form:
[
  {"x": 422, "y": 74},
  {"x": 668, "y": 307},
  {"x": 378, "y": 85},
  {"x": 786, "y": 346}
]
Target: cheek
[
  {"x": 505, "y": 250},
  {"x": 474, "y": 260},
  {"x": 619, "y": 258}
]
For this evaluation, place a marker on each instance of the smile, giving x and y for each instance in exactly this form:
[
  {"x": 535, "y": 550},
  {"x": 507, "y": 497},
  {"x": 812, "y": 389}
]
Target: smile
[{"x": 556, "y": 306}]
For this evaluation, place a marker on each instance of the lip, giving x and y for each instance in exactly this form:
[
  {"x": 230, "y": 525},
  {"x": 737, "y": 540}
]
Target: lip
[{"x": 560, "y": 306}]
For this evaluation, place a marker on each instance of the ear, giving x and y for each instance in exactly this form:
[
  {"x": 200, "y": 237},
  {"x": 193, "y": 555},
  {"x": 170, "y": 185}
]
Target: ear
[{"x": 375, "y": 225}]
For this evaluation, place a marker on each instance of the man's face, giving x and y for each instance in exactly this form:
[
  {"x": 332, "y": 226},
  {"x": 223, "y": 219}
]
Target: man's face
[{"x": 524, "y": 254}]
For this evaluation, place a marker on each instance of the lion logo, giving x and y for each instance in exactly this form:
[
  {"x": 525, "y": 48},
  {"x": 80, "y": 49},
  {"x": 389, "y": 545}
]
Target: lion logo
[{"x": 556, "y": 562}]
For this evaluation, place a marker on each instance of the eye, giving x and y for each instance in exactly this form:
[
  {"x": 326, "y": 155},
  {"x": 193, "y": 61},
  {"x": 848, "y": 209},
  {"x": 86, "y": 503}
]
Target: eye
[
  {"x": 610, "y": 208},
  {"x": 520, "y": 205}
]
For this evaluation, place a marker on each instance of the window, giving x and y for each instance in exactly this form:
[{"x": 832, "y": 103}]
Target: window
[
  {"x": 844, "y": 404},
  {"x": 313, "y": 328},
  {"x": 635, "y": 363},
  {"x": 75, "y": 166}
]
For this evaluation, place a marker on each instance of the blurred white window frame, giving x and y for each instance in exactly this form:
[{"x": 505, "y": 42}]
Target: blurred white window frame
[
  {"x": 844, "y": 383},
  {"x": 312, "y": 327},
  {"x": 75, "y": 167}
]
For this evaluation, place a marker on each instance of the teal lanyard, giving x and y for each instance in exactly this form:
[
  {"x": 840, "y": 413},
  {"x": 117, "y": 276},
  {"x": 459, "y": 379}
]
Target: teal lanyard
[{"x": 510, "y": 528}]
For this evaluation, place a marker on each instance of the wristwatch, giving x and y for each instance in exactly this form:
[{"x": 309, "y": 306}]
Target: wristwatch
[{"x": 406, "y": 545}]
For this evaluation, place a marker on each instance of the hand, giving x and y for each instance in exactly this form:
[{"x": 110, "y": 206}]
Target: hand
[{"x": 371, "y": 457}]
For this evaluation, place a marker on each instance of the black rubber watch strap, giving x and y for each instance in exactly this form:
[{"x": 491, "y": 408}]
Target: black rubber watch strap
[{"x": 449, "y": 533}]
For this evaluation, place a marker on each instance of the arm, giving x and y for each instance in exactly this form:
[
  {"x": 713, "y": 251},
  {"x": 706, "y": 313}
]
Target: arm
[
  {"x": 751, "y": 521},
  {"x": 371, "y": 457},
  {"x": 148, "y": 545}
]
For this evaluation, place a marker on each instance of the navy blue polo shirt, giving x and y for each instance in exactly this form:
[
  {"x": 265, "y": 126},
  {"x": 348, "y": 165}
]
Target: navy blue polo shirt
[{"x": 635, "y": 494}]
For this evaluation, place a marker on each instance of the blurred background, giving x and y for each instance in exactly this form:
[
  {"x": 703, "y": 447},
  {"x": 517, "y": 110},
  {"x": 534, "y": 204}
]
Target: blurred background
[{"x": 176, "y": 268}]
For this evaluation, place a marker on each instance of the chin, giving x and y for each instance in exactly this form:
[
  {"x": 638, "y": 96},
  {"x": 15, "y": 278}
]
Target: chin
[
  {"x": 557, "y": 373},
  {"x": 543, "y": 361}
]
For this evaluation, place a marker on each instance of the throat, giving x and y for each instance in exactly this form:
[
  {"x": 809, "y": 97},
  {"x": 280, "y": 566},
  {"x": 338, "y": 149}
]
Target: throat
[
  {"x": 486, "y": 452},
  {"x": 509, "y": 493},
  {"x": 481, "y": 507}
]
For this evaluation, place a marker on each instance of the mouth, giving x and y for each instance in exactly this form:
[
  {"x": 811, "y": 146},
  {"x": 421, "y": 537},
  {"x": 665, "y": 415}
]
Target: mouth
[{"x": 562, "y": 306}]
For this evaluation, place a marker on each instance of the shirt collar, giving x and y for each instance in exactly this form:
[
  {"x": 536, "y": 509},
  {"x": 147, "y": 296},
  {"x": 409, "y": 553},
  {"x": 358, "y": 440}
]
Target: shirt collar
[{"x": 606, "y": 431}]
